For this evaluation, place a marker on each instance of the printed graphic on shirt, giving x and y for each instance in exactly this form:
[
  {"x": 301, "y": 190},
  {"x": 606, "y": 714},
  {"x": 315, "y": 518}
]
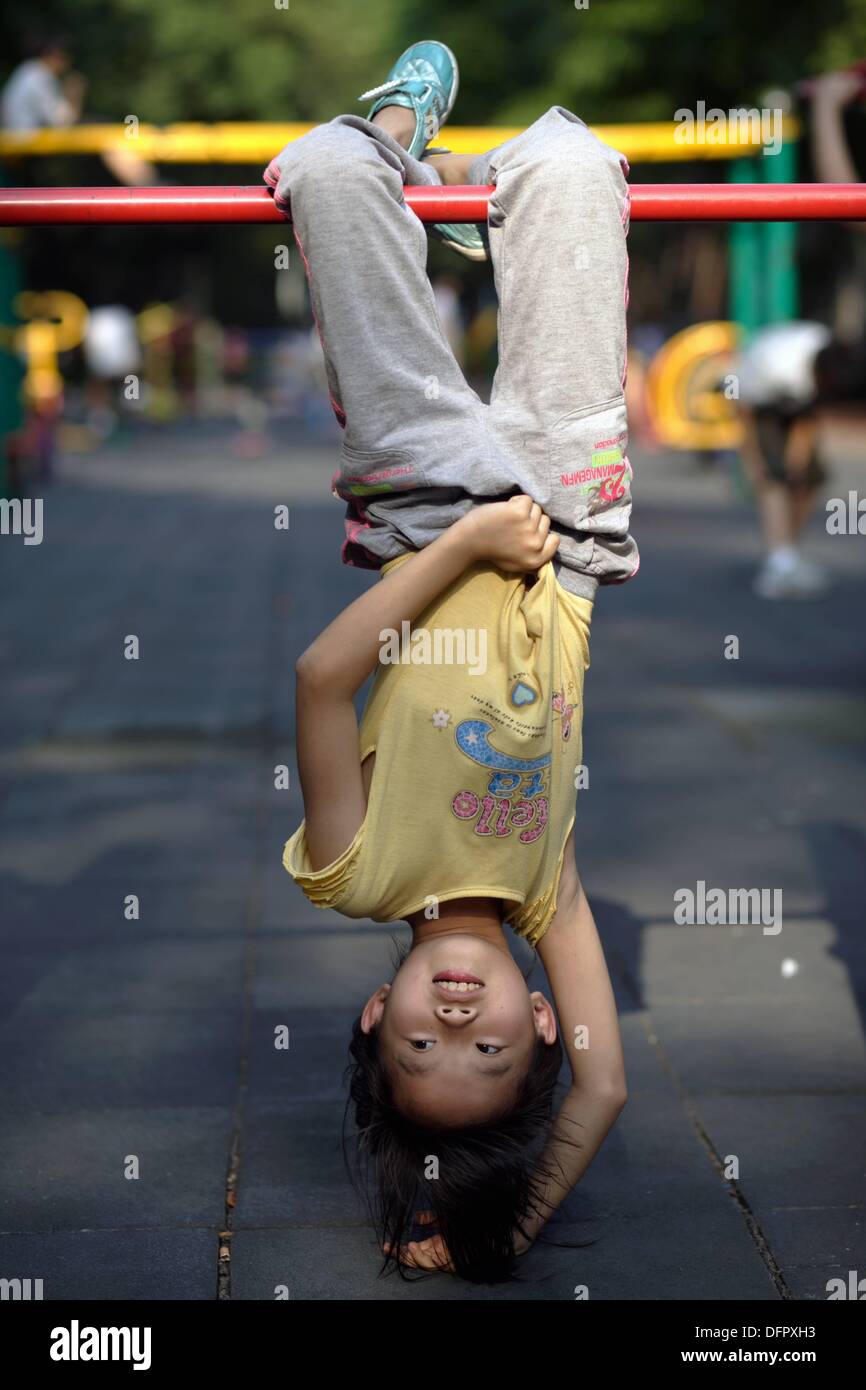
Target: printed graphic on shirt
[
  {"x": 517, "y": 792},
  {"x": 566, "y": 711},
  {"x": 522, "y": 693},
  {"x": 608, "y": 474},
  {"x": 359, "y": 485},
  {"x": 506, "y": 814},
  {"x": 473, "y": 737}
]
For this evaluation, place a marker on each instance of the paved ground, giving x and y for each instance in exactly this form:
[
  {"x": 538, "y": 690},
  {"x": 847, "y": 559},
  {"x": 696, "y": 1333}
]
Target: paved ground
[{"x": 153, "y": 1037}]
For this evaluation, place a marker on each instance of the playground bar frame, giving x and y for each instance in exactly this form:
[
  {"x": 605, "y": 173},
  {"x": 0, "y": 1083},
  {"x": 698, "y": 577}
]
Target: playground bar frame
[{"x": 668, "y": 202}]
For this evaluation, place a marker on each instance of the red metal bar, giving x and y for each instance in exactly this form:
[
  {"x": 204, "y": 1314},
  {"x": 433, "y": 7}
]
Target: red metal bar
[{"x": 659, "y": 202}]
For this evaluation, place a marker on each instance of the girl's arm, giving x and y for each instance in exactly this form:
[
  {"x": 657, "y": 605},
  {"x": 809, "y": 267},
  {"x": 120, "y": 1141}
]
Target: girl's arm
[
  {"x": 572, "y": 956},
  {"x": 571, "y": 953},
  {"x": 513, "y": 534}
]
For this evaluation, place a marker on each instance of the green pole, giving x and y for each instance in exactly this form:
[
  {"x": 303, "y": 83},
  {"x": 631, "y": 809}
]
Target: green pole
[
  {"x": 745, "y": 281},
  {"x": 11, "y": 366},
  {"x": 780, "y": 242}
]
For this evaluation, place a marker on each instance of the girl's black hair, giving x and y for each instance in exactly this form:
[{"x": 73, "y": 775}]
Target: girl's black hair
[{"x": 487, "y": 1175}]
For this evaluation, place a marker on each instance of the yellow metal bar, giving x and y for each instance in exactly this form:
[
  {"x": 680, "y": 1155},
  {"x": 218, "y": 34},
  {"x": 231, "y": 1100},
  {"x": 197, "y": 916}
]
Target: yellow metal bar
[{"x": 257, "y": 142}]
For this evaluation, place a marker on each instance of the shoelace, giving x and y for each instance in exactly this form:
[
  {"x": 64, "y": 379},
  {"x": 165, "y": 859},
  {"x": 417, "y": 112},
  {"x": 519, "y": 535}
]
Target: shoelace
[
  {"x": 394, "y": 84},
  {"x": 390, "y": 86},
  {"x": 419, "y": 72}
]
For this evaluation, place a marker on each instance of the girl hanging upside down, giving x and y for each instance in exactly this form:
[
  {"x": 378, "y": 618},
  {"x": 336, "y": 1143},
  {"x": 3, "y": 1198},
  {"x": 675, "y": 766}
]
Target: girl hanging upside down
[{"x": 452, "y": 807}]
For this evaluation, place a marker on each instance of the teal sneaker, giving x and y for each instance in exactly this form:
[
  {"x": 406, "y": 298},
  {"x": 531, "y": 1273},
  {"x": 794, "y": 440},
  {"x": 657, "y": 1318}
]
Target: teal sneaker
[
  {"x": 425, "y": 80},
  {"x": 464, "y": 237}
]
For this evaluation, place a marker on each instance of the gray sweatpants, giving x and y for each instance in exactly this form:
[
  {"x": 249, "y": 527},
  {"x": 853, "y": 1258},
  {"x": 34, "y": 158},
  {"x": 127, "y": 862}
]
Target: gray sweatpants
[{"x": 419, "y": 446}]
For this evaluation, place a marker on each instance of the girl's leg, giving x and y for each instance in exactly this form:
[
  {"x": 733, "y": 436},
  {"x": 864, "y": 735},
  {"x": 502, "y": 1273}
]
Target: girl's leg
[
  {"x": 452, "y": 168},
  {"x": 557, "y": 228},
  {"x": 416, "y": 442},
  {"x": 558, "y": 218},
  {"x": 399, "y": 122}
]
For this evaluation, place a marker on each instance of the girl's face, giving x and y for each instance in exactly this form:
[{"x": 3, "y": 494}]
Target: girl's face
[{"x": 457, "y": 1028}]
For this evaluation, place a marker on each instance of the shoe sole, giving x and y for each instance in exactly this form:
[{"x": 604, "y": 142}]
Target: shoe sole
[{"x": 468, "y": 252}]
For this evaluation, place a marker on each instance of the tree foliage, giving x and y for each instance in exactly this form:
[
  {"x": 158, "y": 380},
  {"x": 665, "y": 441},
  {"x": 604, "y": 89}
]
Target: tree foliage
[{"x": 171, "y": 60}]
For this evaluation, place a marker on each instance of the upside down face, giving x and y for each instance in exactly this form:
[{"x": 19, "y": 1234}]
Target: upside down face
[{"x": 458, "y": 1029}]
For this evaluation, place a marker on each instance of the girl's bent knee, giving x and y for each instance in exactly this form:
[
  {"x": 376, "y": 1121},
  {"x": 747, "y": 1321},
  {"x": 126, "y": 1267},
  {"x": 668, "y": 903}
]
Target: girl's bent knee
[{"x": 327, "y": 153}]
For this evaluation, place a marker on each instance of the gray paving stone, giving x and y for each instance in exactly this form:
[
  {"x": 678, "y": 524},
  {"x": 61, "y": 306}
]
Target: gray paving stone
[
  {"x": 90, "y": 909},
  {"x": 663, "y": 1257},
  {"x": 312, "y": 1065},
  {"x": 800, "y": 1150},
  {"x": 64, "y": 1171},
  {"x": 293, "y": 1170},
  {"x": 81, "y": 1060},
  {"x": 110, "y": 1265},
  {"x": 817, "y": 1245},
  {"x": 330, "y": 968},
  {"x": 652, "y": 1162},
  {"x": 140, "y": 975},
  {"x": 762, "y": 1044}
]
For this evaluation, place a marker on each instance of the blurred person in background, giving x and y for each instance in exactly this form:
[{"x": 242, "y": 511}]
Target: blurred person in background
[
  {"x": 831, "y": 94},
  {"x": 792, "y": 373},
  {"x": 114, "y": 360},
  {"x": 43, "y": 93},
  {"x": 778, "y": 395}
]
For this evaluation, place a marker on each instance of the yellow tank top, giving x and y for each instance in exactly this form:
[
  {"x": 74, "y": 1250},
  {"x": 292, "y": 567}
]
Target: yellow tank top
[{"x": 475, "y": 714}]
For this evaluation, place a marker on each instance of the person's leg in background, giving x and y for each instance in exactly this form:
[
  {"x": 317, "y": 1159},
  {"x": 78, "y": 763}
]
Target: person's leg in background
[
  {"x": 557, "y": 230},
  {"x": 804, "y": 473},
  {"x": 121, "y": 159},
  {"x": 779, "y": 451},
  {"x": 129, "y": 168}
]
